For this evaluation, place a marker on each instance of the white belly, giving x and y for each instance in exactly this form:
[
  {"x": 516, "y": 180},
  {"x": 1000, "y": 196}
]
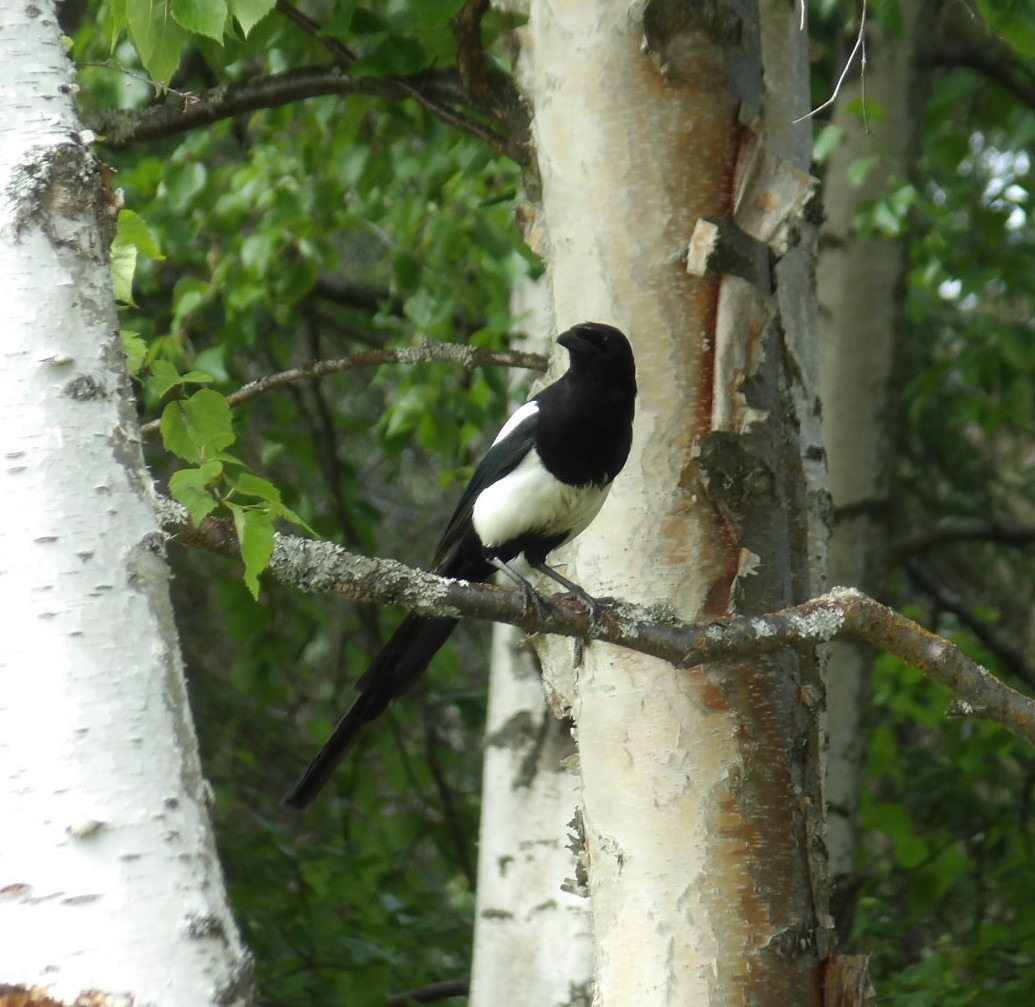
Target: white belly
[{"x": 529, "y": 499}]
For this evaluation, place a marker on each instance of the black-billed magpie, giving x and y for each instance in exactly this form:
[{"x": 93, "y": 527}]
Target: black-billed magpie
[{"x": 541, "y": 482}]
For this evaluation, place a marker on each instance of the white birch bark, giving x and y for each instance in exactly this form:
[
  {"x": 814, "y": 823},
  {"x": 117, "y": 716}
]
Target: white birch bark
[
  {"x": 533, "y": 943},
  {"x": 630, "y": 160},
  {"x": 107, "y": 863}
]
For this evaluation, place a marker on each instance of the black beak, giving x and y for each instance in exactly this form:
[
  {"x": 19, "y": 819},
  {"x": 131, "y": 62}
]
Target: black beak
[{"x": 573, "y": 342}]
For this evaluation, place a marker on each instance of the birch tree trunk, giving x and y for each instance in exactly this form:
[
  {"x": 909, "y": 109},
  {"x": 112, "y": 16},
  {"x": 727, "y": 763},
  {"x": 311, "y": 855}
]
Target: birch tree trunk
[
  {"x": 701, "y": 845},
  {"x": 532, "y": 940},
  {"x": 107, "y": 861},
  {"x": 861, "y": 285}
]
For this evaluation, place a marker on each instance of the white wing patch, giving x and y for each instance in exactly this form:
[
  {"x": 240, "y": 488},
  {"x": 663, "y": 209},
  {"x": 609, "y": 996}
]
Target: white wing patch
[
  {"x": 518, "y": 417},
  {"x": 529, "y": 499}
]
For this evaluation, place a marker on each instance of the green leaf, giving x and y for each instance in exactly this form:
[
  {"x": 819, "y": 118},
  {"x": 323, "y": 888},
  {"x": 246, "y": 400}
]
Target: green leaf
[
  {"x": 1013, "y": 21},
  {"x": 254, "y": 486},
  {"x": 194, "y": 377},
  {"x": 190, "y": 487},
  {"x": 133, "y": 230},
  {"x": 211, "y": 363},
  {"x": 163, "y": 377},
  {"x": 131, "y": 238},
  {"x": 159, "y": 40},
  {"x": 395, "y": 55},
  {"x": 202, "y": 17},
  {"x": 250, "y": 12},
  {"x": 255, "y": 533},
  {"x": 135, "y": 349},
  {"x": 123, "y": 266},
  {"x": 209, "y": 421},
  {"x": 182, "y": 182},
  {"x": 860, "y": 168},
  {"x": 911, "y": 850},
  {"x": 437, "y": 11},
  {"x": 175, "y": 436},
  {"x": 189, "y": 294},
  {"x": 118, "y": 19}
]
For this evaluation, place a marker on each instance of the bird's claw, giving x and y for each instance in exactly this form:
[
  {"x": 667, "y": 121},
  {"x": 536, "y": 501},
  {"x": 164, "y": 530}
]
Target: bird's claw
[
  {"x": 532, "y": 602},
  {"x": 593, "y": 613}
]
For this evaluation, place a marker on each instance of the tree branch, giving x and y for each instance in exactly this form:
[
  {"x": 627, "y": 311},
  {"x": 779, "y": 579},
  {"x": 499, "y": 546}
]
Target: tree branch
[
  {"x": 432, "y": 993},
  {"x": 947, "y": 532},
  {"x": 842, "y": 613},
  {"x": 343, "y": 56},
  {"x": 181, "y": 113},
  {"x": 470, "y": 55},
  {"x": 999, "y": 67},
  {"x": 427, "y": 353}
]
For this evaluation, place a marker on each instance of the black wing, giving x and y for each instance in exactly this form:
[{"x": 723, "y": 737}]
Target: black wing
[{"x": 501, "y": 459}]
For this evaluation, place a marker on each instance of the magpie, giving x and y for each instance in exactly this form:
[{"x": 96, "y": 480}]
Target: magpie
[{"x": 540, "y": 484}]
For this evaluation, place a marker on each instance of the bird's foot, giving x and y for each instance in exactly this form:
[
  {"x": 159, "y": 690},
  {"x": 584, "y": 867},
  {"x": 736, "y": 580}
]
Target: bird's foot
[
  {"x": 533, "y": 602},
  {"x": 591, "y": 604},
  {"x": 533, "y": 599},
  {"x": 593, "y": 614}
]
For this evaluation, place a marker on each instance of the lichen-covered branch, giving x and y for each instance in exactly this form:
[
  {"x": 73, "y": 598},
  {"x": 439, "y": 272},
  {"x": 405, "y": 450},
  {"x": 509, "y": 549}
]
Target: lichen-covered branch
[{"x": 842, "y": 613}]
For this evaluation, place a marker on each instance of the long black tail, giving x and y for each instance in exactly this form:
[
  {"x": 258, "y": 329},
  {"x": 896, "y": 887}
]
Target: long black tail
[{"x": 393, "y": 672}]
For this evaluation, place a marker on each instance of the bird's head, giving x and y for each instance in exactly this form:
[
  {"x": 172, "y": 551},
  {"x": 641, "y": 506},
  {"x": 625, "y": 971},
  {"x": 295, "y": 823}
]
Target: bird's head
[{"x": 600, "y": 349}]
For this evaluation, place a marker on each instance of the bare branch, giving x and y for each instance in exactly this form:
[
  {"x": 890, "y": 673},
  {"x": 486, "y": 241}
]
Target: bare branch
[
  {"x": 470, "y": 55},
  {"x": 427, "y": 353},
  {"x": 343, "y": 56},
  {"x": 976, "y": 530},
  {"x": 1009, "y": 73},
  {"x": 363, "y": 296},
  {"x": 121, "y": 127},
  {"x": 432, "y": 993},
  {"x": 486, "y": 87},
  {"x": 842, "y": 613}
]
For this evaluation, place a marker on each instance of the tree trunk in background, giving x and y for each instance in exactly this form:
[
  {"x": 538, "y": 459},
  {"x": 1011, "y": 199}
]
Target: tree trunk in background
[
  {"x": 107, "y": 863},
  {"x": 533, "y": 943},
  {"x": 701, "y": 804},
  {"x": 532, "y": 940},
  {"x": 861, "y": 285}
]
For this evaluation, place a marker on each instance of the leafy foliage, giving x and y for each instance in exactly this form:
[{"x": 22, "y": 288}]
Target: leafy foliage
[{"x": 292, "y": 234}]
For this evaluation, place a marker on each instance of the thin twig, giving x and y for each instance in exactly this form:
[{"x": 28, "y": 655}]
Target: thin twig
[
  {"x": 860, "y": 46},
  {"x": 427, "y": 353},
  {"x": 432, "y": 993},
  {"x": 343, "y": 56},
  {"x": 949, "y": 532},
  {"x": 999, "y": 67}
]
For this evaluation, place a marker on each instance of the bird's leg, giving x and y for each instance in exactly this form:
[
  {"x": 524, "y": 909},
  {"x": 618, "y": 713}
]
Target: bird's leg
[
  {"x": 592, "y": 606},
  {"x": 532, "y": 596}
]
